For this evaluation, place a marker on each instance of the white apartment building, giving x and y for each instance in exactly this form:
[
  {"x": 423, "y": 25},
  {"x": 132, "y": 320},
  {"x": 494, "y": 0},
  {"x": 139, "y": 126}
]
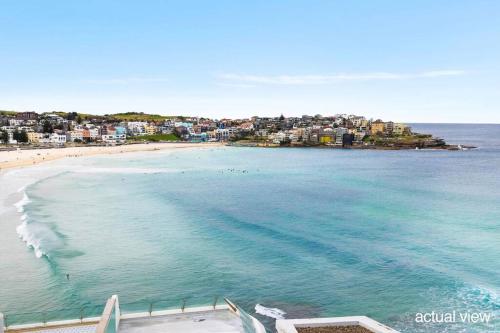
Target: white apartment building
[
  {"x": 57, "y": 138},
  {"x": 114, "y": 138},
  {"x": 339, "y": 134}
]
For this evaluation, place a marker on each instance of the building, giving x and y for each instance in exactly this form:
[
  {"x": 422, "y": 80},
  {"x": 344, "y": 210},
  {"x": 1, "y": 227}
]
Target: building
[
  {"x": 339, "y": 138},
  {"x": 15, "y": 122},
  {"x": 34, "y": 137},
  {"x": 400, "y": 129},
  {"x": 57, "y": 138},
  {"x": 113, "y": 138},
  {"x": 150, "y": 129},
  {"x": 327, "y": 135},
  {"x": 120, "y": 130},
  {"x": 136, "y": 127},
  {"x": 388, "y": 127},
  {"x": 347, "y": 139},
  {"x": 27, "y": 116},
  {"x": 377, "y": 127},
  {"x": 222, "y": 134},
  {"x": 246, "y": 126},
  {"x": 94, "y": 133},
  {"x": 75, "y": 135},
  {"x": 359, "y": 135}
]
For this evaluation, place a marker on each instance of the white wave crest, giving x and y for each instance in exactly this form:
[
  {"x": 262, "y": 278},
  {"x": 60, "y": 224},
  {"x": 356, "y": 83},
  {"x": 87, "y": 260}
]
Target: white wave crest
[
  {"x": 29, "y": 238},
  {"x": 21, "y": 203},
  {"x": 270, "y": 312}
]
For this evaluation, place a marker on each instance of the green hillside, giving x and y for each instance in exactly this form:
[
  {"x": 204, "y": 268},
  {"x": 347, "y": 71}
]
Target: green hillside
[{"x": 139, "y": 116}]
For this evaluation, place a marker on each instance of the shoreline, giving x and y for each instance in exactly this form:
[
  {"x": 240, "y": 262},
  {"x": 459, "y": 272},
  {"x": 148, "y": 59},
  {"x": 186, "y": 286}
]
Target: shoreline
[
  {"x": 28, "y": 157},
  {"x": 447, "y": 147}
]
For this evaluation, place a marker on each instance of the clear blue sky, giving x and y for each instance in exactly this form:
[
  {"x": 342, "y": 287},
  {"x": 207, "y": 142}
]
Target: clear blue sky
[{"x": 423, "y": 61}]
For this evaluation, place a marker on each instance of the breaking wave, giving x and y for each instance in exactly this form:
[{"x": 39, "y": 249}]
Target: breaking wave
[
  {"x": 21, "y": 203},
  {"x": 270, "y": 312},
  {"x": 37, "y": 236},
  {"x": 29, "y": 237}
]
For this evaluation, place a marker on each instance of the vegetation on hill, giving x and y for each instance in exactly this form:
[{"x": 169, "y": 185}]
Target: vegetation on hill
[
  {"x": 126, "y": 116},
  {"x": 138, "y": 116},
  {"x": 405, "y": 141},
  {"x": 7, "y": 113},
  {"x": 154, "y": 138}
]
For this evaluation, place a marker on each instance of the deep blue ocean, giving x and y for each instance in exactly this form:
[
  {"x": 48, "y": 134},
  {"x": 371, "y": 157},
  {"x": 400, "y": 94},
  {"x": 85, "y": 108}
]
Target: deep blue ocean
[{"x": 314, "y": 232}]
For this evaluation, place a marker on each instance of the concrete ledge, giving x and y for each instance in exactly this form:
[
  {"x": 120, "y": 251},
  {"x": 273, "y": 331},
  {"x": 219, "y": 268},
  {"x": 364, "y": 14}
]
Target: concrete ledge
[
  {"x": 173, "y": 312},
  {"x": 51, "y": 324},
  {"x": 290, "y": 325}
]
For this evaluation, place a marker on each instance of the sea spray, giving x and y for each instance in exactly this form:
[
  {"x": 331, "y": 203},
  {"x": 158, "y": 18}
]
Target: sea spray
[{"x": 270, "y": 312}]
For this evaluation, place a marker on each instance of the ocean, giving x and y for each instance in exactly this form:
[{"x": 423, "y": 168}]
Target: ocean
[{"x": 311, "y": 232}]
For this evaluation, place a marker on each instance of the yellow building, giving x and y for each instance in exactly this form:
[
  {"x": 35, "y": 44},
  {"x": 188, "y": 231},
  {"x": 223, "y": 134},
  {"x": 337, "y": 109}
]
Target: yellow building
[
  {"x": 377, "y": 127},
  {"x": 33, "y": 137},
  {"x": 325, "y": 139},
  {"x": 150, "y": 129}
]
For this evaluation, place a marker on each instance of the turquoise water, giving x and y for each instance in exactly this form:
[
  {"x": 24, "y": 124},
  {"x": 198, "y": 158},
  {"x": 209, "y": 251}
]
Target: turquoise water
[{"x": 314, "y": 232}]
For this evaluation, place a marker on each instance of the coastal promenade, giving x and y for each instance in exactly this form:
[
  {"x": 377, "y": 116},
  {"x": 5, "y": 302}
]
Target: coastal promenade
[{"x": 28, "y": 157}]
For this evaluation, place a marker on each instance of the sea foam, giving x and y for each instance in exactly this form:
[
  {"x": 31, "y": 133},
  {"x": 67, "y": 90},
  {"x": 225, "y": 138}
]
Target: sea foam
[
  {"x": 21, "y": 203},
  {"x": 23, "y": 230},
  {"x": 270, "y": 312},
  {"x": 29, "y": 237}
]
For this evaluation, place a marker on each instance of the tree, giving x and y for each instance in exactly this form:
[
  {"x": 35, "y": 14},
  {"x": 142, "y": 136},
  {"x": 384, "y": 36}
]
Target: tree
[
  {"x": 23, "y": 137},
  {"x": 20, "y": 136},
  {"x": 47, "y": 127},
  {"x": 72, "y": 115},
  {"x": 79, "y": 119},
  {"x": 16, "y": 135},
  {"x": 4, "y": 137}
]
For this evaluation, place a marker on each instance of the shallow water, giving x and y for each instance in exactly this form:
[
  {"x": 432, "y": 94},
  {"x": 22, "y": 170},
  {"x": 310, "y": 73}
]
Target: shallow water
[{"x": 313, "y": 232}]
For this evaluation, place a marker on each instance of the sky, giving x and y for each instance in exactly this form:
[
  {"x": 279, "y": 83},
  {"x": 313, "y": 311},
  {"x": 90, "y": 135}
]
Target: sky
[{"x": 408, "y": 61}]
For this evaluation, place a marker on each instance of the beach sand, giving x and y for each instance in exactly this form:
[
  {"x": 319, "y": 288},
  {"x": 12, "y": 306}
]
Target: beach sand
[{"x": 29, "y": 157}]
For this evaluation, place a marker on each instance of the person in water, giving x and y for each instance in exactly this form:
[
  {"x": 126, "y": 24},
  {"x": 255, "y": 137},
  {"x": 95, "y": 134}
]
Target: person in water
[{"x": 67, "y": 277}]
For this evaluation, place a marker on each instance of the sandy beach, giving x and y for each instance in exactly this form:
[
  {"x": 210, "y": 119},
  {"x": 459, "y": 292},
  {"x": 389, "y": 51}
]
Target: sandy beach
[{"x": 29, "y": 157}]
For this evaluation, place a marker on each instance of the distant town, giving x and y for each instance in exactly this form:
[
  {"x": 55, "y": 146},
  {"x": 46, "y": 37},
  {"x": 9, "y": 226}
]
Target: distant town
[{"x": 58, "y": 129}]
